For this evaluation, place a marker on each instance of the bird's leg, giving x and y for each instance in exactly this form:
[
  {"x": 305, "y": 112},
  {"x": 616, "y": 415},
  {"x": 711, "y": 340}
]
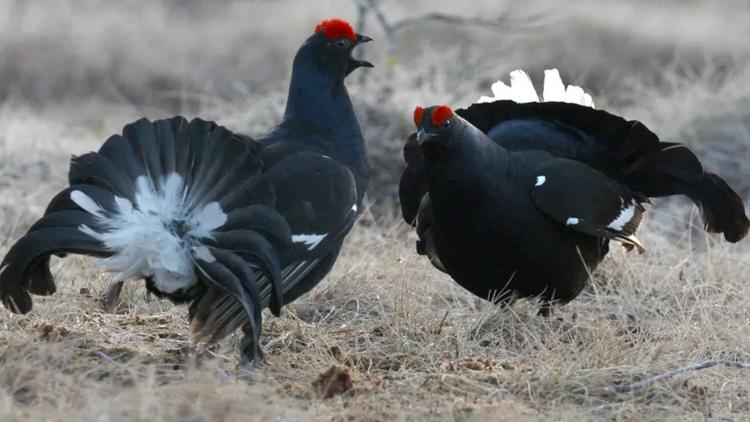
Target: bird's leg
[
  {"x": 250, "y": 350},
  {"x": 113, "y": 296},
  {"x": 546, "y": 307}
]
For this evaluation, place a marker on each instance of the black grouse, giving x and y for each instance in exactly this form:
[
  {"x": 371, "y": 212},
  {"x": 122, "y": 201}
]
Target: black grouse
[
  {"x": 217, "y": 220},
  {"x": 519, "y": 199}
]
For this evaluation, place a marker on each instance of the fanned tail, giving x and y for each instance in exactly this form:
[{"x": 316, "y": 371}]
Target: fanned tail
[
  {"x": 25, "y": 268},
  {"x": 183, "y": 205},
  {"x": 625, "y": 150}
]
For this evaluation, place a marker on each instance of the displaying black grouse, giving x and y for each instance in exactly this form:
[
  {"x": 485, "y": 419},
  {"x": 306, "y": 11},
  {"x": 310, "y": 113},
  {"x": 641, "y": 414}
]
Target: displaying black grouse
[
  {"x": 228, "y": 224},
  {"x": 519, "y": 200}
]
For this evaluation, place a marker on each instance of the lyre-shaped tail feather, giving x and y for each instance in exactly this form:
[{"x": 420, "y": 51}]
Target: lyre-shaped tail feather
[
  {"x": 644, "y": 163},
  {"x": 179, "y": 203}
]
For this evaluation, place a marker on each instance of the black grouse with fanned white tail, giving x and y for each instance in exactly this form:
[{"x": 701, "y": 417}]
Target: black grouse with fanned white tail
[
  {"x": 217, "y": 220},
  {"x": 521, "y": 198}
]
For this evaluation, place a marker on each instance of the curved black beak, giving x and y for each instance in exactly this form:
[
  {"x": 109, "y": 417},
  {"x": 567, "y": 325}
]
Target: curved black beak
[
  {"x": 355, "y": 63},
  {"x": 361, "y": 39}
]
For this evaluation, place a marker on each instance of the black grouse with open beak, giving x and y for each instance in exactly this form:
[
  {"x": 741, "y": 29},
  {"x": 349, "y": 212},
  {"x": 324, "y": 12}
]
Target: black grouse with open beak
[{"x": 355, "y": 63}]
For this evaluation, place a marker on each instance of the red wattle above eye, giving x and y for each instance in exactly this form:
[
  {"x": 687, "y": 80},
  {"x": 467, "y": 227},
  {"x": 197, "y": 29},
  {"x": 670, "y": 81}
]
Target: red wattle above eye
[
  {"x": 334, "y": 29},
  {"x": 440, "y": 114},
  {"x": 418, "y": 113}
]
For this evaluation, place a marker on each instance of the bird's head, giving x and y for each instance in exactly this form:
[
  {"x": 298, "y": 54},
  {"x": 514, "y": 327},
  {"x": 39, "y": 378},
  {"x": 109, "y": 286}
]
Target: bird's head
[
  {"x": 440, "y": 130},
  {"x": 436, "y": 124},
  {"x": 330, "y": 48}
]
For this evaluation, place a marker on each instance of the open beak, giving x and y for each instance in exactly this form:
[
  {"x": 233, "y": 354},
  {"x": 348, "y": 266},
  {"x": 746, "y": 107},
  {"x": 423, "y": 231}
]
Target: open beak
[{"x": 355, "y": 63}]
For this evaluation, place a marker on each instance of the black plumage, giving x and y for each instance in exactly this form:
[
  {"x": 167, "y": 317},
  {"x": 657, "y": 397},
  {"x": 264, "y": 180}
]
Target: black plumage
[
  {"x": 519, "y": 200},
  {"x": 225, "y": 223}
]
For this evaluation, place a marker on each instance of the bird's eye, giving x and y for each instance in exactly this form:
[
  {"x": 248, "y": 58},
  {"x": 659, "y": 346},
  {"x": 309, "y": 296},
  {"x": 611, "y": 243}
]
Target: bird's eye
[
  {"x": 341, "y": 43},
  {"x": 447, "y": 123}
]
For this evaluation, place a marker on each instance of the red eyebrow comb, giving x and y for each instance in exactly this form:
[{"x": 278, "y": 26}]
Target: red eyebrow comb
[
  {"x": 334, "y": 29},
  {"x": 440, "y": 114},
  {"x": 418, "y": 114}
]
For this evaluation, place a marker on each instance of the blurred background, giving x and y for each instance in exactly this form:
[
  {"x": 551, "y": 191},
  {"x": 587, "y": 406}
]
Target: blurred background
[{"x": 74, "y": 72}]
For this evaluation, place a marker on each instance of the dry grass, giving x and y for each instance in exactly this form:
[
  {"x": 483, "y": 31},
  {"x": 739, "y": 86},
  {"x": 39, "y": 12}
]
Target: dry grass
[{"x": 415, "y": 345}]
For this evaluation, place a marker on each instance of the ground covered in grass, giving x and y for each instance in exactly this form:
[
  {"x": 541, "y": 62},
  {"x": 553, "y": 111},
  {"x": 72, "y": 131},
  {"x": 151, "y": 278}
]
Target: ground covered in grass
[{"x": 405, "y": 343}]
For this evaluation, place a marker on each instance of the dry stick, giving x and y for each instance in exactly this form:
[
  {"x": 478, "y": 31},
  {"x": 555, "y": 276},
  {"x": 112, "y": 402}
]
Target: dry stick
[
  {"x": 442, "y": 321},
  {"x": 107, "y": 358},
  {"x": 361, "y": 22},
  {"x": 390, "y": 28},
  {"x": 361, "y": 17},
  {"x": 500, "y": 21},
  {"x": 641, "y": 385},
  {"x": 366, "y": 6}
]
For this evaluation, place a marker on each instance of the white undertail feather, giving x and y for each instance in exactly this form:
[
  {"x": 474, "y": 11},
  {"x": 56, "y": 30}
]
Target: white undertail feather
[
  {"x": 521, "y": 90},
  {"x": 155, "y": 236},
  {"x": 311, "y": 240},
  {"x": 86, "y": 203},
  {"x": 626, "y": 214}
]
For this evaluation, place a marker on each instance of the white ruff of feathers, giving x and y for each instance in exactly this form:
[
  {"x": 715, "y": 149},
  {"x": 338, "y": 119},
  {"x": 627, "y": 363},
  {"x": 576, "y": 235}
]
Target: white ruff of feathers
[
  {"x": 143, "y": 237},
  {"x": 521, "y": 90}
]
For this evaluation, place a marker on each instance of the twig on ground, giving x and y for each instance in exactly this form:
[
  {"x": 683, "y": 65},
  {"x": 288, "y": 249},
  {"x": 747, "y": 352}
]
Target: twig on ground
[
  {"x": 107, "y": 358},
  {"x": 643, "y": 384},
  {"x": 273, "y": 342},
  {"x": 442, "y": 322}
]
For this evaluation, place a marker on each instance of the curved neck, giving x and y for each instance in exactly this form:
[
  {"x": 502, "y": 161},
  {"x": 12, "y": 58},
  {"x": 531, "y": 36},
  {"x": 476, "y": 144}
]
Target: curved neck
[
  {"x": 319, "y": 114},
  {"x": 316, "y": 97}
]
